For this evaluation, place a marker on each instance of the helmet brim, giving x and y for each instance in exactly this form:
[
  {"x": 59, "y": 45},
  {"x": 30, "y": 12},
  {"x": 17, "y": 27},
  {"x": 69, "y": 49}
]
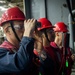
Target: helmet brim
[{"x": 46, "y": 27}]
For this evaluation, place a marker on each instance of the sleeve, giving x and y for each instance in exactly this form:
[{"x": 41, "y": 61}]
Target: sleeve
[{"x": 18, "y": 61}]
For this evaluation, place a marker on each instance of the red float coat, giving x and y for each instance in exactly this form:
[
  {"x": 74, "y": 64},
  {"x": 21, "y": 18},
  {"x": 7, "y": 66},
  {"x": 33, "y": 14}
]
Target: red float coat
[{"x": 67, "y": 70}]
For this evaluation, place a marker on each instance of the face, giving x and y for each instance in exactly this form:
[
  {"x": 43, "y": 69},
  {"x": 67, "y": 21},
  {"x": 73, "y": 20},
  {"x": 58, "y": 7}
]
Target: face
[
  {"x": 19, "y": 29},
  {"x": 51, "y": 34},
  {"x": 61, "y": 37}
]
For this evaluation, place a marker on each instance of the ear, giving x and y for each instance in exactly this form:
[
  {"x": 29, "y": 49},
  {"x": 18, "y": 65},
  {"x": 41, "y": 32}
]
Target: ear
[{"x": 57, "y": 33}]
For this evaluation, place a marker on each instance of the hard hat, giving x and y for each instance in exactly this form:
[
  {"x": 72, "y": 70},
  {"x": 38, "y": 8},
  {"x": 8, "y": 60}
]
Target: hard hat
[
  {"x": 13, "y": 13},
  {"x": 45, "y": 23},
  {"x": 60, "y": 27}
]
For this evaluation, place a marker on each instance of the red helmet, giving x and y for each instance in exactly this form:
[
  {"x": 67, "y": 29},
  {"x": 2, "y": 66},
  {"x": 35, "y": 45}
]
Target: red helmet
[
  {"x": 45, "y": 23},
  {"x": 12, "y": 14},
  {"x": 60, "y": 27}
]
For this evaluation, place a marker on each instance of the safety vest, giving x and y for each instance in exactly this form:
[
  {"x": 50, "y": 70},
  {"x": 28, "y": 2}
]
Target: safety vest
[
  {"x": 59, "y": 56},
  {"x": 53, "y": 55},
  {"x": 67, "y": 63}
]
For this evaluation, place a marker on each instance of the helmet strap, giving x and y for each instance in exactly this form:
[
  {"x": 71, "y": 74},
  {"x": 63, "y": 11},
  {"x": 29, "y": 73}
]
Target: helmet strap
[
  {"x": 46, "y": 35},
  {"x": 11, "y": 23}
]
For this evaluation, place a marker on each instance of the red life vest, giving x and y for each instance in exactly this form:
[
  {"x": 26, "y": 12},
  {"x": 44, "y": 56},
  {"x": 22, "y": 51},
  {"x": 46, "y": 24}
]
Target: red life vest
[
  {"x": 7, "y": 45},
  {"x": 51, "y": 52},
  {"x": 68, "y": 59},
  {"x": 53, "y": 44}
]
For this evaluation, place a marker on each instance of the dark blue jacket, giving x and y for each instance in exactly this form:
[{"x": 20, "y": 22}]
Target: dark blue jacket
[{"x": 18, "y": 61}]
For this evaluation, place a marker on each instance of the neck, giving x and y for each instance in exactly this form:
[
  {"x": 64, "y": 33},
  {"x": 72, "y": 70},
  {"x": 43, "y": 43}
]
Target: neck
[
  {"x": 46, "y": 43},
  {"x": 57, "y": 41}
]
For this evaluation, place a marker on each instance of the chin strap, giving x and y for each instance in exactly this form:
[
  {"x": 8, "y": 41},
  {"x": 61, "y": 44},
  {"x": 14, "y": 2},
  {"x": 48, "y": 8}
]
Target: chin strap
[
  {"x": 46, "y": 35},
  {"x": 11, "y": 23}
]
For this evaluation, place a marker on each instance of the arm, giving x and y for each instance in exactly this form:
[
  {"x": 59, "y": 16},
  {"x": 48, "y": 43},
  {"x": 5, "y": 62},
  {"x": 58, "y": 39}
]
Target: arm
[
  {"x": 18, "y": 61},
  {"x": 47, "y": 64}
]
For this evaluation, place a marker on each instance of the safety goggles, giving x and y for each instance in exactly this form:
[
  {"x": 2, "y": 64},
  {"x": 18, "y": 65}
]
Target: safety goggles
[{"x": 18, "y": 27}]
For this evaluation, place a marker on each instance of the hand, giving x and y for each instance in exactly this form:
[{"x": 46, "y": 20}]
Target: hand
[
  {"x": 38, "y": 40},
  {"x": 37, "y": 36},
  {"x": 29, "y": 26},
  {"x": 73, "y": 57}
]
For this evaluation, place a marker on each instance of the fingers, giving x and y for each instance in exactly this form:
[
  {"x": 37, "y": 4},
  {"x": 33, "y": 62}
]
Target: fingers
[
  {"x": 29, "y": 26},
  {"x": 73, "y": 57},
  {"x": 29, "y": 20}
]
